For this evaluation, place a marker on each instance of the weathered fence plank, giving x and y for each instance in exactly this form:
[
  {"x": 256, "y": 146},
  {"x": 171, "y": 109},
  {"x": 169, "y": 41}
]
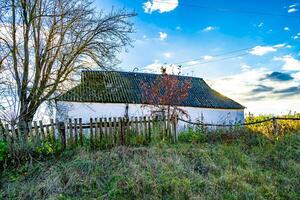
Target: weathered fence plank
[
  {"x": 96, "y": 132},
  {"x": 106, "y": 132},
  {"x": 91, "y": 133},
  {"x": 42, "y": 130},
  {"x": 76, "y": 131},
  {"x": 37, "y": 134},
  {"x": 111, "y": 137},
  {"x": 115, "y": 130},
  {"x": 80, "y": 132},
  {"x": 70, "y": 127},
  {"x": 52, "y": 129},
  {"x": 62, "y": 133},
  {"x": 103, "y": 132}
]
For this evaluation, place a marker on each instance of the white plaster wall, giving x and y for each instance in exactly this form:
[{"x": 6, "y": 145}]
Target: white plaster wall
[{"x": 93, "y": 110}]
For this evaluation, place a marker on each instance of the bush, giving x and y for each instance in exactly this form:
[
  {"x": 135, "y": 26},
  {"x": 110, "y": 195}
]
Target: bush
[
  {"x": 192, "y": 137},
  {"x": 46, "y": 148},
  {"x": 3, "y": 151}
]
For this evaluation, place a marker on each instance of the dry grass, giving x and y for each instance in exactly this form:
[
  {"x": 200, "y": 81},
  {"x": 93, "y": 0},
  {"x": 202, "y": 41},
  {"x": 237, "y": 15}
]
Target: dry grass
[{"x": 267, "y": 128}]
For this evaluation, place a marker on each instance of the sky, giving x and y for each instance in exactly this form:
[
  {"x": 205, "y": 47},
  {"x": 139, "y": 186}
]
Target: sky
[{"x": 246, "y": 50}]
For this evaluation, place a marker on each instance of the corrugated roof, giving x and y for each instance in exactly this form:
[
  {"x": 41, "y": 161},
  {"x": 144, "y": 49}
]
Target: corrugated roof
[{"x": 124, "y": 87}]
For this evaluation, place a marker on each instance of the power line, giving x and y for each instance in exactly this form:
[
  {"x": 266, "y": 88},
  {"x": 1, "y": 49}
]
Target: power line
[
  {"x": 233, "y": 10},
  {"x": 217, "y": 60},
  {"x": 216, "y": 55},
  {"x": 222, "y": 54},
  {"x": 219, "y": 55}
]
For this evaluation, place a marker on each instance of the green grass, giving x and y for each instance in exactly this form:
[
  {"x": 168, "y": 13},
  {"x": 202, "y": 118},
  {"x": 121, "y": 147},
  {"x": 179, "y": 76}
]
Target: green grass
[{"x": 247, "y": 168}]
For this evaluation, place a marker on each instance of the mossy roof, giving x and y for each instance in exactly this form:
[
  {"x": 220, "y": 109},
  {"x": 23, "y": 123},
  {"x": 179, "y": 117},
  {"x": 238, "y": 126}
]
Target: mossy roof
[{"x": 125, "y": 87}]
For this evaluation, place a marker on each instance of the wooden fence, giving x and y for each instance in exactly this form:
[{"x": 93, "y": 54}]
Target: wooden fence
[{"x": 98, "y": 133}]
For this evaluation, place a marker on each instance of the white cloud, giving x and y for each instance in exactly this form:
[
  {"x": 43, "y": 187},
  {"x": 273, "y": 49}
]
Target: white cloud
[
  {"x": 193, "y": 62},
  {"x": 292, "y": 10},
  {"x": 207, "y": 57},
  {"x": 209, "y": 28},
  {"x": 167, "y": 54},
  {"x": 156, "y": 68},
  {"x": 286, "y": 28},
  {"x": 163, "y": 35},
  {"x": 289, "y": 46},
  {"x": 160, "y": 5},
  {"x": 261, "y": 24},
  {"x": 296, "y": 36},
  {"x": 296, "y": 75},
  {"x": 240, "y": 87},
  {"x": 262, "y": 50},
  {"x": 277, "y": 46},
  {"x": 245, "y": 67},
  {"x": 290, "y": 63}
]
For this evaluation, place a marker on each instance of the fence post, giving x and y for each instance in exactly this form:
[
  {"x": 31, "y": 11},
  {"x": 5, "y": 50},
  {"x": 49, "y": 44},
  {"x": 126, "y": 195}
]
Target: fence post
[
  {"x": 9, "y": 138},
  {"x": 37, "y": 134},
  {"x": 164, "y": 127},
  {"x": 52, "y": 129},
  {"x": 169, "y": 134},
  {"x": 122, "y": 131},
  {"x": 275, "y": 126},
  {"x": 2, "y": 132},
  {"x": 80, "y": 132},
  {"x": 136, "y": 121},
  {"x": 71, "y": 138},
  {"x": 149, "y": 129},
  {"x": 96, "y": 132},
  {"x": 175, "y": 128},
  {"x": 110, "y": 130},
  {"x": 62, "y": 132},
  {"x": 101, "y": 131},
  {"x": 91, "y": 133},
  {"x": 106, "y": 132},
  {"x": 115, "y": 131},
  {"x": 76, "y": 131},
  {"x": 42, "y": 130}
]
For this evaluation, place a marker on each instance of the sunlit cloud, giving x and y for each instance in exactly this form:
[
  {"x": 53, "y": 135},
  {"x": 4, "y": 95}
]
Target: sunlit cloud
[
  {"x": 290, "y": 63},
  {"x": 261, "y": 24},
  {"x": 292, "y": 10},
  {"x": 262, "y": 50},
  {"x": 209, "y": 28},
  {"x": 260, "y": 89},
  {"x": 160, "y": 6},
  {"x": 167, "y": 54},
  {"x": 163, "y": 36},
  {"x": 207, "y": 57}
]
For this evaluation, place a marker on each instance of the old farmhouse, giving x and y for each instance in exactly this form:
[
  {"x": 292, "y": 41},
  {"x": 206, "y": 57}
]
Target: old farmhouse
[{"x": 116, "y": 94}]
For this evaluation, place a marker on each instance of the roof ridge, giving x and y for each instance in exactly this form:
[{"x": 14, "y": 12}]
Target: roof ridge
[{"x": 128, "y": 72}]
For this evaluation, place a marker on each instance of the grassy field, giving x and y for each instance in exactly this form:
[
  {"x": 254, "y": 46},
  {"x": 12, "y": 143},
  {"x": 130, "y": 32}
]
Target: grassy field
[{"x": 252, "y": 167}]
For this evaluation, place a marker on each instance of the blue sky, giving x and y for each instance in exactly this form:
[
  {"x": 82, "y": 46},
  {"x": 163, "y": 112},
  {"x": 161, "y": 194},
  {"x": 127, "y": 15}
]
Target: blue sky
[{"x": 247, "y": 50}]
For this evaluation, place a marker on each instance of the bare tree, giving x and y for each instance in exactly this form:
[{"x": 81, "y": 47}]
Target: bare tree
[{"x": 43, "y": 42}]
